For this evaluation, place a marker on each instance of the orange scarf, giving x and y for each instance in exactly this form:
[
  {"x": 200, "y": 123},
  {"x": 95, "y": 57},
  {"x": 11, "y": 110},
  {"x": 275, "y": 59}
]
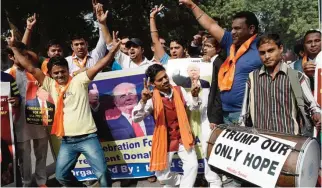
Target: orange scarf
[
  {"x": 44, "y": 68},
  {"x": 304, "y": 59},
  {"x": 159, "y": 155},
  {"x": 75, "y": 61},
  {"x": 30, "y": 87},
  {"x": 58, "y": 125},
  {"x": 227, "y": 70}
]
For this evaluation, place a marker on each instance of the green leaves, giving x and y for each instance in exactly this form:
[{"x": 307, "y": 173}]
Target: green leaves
[{"x": 290, "y": 19}]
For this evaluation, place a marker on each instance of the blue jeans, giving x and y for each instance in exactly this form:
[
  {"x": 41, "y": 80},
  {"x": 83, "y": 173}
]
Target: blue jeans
[
  {"x": 70, "y": 150},
  {"x": 231, "y": 117}
]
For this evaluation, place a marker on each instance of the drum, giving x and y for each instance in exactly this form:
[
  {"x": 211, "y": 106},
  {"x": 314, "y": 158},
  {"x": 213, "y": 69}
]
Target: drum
[{"x": 301, "y": 166}]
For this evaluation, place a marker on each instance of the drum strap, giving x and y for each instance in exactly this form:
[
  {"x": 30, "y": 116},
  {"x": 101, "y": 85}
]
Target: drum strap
[{"x": 298, "y": 93}]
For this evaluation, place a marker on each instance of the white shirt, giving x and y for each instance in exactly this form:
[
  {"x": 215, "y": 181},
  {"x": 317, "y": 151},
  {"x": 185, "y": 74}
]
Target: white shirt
[
  {"x": 213, "y": 58},
  {"x": 125, "y": 60},
  {"x": 140, "y": 111},
  {"x": 93, "y": 56},
  {"x": 141, "y": 123}
]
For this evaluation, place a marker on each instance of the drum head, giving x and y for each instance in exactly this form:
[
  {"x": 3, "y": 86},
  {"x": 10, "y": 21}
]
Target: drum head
[{"x": 308, "y": 165}]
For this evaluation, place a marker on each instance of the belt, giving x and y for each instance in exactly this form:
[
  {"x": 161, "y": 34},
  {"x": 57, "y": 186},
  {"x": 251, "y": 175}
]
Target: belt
[{"x": 78, "y": 136}]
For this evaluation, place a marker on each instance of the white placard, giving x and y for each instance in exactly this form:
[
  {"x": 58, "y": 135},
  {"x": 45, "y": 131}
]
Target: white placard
[
  {"x": 175, "y": 65},
  {"x": 256, "y": 158},
  {"x": 5, "y": 89}
]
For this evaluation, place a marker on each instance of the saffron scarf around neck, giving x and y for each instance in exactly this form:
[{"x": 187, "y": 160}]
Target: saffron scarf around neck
[
  {"x": 159, "y": 154},
  {"x": 75, "y": 61},
  {"x": 227, "y": 69},
  {"x": 58, "y": 125}
]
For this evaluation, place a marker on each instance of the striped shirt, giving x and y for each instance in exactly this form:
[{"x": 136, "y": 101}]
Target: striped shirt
[{"x": 271, "y": 102}]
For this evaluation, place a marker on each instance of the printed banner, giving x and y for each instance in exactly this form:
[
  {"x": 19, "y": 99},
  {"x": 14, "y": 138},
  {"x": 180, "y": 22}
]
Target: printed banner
[
  {"x": 128, "y": 155},
  {"x": 126, "y": 144},
  {"x": 256, "y": 158},
  {"x": 8, "y": 154}
]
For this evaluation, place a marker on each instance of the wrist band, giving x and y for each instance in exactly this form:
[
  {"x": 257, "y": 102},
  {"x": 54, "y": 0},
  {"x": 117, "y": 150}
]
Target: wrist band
[
  {"x": 154, "y": 31},
  {"x": 194, "y": 7},
  {"x": 200, "y": 16},
  {"x": 151, "y": 17},
  {"x": 28, "y": 28}
]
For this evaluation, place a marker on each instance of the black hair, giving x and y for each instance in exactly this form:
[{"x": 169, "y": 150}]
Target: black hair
[
  {"x": 269, "y": 37},
  {"x": 19, "y": 45},
  {"x": 213, "y": 41},
  {"x": 58, "y": 61},
  {"x": 153, "y": 70},
  {"x": 183, "y": 42},
  {"x": 77, "y": 36},
  {"x": 53, "y": 42},
  {"x": 298, "y": 47},
  {"x": 250, "y": 17},
  {"x": 310, "y": 32}
]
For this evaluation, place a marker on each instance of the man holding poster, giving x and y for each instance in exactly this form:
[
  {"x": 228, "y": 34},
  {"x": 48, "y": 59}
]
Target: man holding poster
[
  {"x": 73, "y": 121},
  {"x": 26, "y": 132},
  {"x": 172, "y": 132}
]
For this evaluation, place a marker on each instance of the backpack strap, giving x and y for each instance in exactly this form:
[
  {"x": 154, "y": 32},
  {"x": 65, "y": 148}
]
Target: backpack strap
[{"x": 298, "y": 93}]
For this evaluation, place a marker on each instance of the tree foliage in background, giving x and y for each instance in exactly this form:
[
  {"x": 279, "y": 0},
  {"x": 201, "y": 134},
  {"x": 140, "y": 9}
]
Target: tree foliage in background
[
  {"x": 63, "y": 18},
  {"x": 289, "y": 19}
]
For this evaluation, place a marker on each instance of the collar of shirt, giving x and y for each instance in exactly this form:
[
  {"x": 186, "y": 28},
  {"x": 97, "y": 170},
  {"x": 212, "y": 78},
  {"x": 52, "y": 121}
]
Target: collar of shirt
[
  {"x": 127, "y": 116},
  {"x": 213, "y": 58},
  {"x": 169, "y": 96},
  {"x": 74, "y": 56},
  {"x": 283, "y": 68},
  {"x": 312, "y": 60},
  {"x": 144, "y": 62}
]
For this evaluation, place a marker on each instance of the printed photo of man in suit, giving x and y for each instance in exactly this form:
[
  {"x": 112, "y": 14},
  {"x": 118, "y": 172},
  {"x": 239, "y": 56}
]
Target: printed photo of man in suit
[
  {"x": 193, "y": 71},
  {"x": 39, "y": 111},
  {"x": 125, "y": 99},
  {"x": 112, "y": 113}
]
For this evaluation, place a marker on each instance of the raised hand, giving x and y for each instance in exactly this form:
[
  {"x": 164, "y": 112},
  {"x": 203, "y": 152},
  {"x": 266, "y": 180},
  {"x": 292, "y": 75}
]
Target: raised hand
[
  {"x": 31, "y": 21},
  {"x": 195, "y": 88},
  {"x": 188, "y": 3},
  {"x": 100, "y": 15},
  {"x": 94, "y": 3},
  {"x": 156, "y": 10},
  {"x": 11, "y": 40},
  {"x": 146, "y": 94},
  {"x": 116, "y": 41}
]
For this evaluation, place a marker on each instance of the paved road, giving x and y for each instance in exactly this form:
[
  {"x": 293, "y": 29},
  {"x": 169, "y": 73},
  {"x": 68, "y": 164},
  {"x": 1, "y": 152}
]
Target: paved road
[{"x": 52, "y": 182}]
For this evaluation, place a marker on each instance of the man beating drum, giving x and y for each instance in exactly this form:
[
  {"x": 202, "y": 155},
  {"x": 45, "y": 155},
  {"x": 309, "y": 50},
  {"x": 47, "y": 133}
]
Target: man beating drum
[{"x": 275, "y": 98}]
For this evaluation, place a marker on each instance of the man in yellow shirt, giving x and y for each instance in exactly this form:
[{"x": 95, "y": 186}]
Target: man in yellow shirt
[{"x": 73, "y": 121}]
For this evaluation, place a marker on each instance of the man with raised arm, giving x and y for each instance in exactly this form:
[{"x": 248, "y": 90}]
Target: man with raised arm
[
  {"x": 243, "y": 58},
  {"x": 73, "y": 121},
  {"x": 81, "y": 59},
  {"x": 240, "y": 45},
  {"x": 178, "y": 47}
]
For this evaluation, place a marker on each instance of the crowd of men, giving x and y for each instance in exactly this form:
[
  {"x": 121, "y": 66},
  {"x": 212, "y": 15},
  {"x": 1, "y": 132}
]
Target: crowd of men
[{"x": 247, "y": 88}]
